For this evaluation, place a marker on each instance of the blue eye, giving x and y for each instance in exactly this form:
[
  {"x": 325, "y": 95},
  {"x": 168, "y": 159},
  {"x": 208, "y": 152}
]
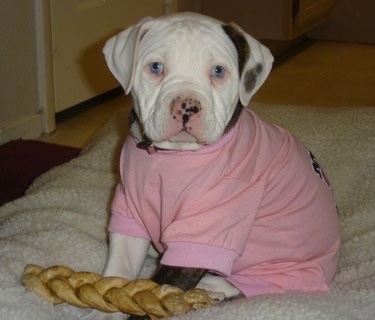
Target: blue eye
[
  {"x": 218, "y": 72},
  {"x": 156, "y": 67}
]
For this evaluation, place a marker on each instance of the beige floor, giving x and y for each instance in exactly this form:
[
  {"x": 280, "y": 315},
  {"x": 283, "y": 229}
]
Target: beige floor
[{"x": 318, "y": 73}]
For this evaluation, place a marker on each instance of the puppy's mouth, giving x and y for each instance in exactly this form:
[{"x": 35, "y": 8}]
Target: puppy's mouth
[
  {"x": 180, "y": 126},
  {"x": 182, "y": 121},
  {"x": 178, "y": 142},
  {"x": 185, "y": 122}
]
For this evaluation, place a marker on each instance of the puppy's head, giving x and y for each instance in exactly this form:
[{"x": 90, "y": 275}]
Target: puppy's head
[{"x": 189, "y": 75}]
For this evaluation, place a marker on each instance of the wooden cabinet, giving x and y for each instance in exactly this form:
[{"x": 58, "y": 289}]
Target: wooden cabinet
[
  {"x": 271, "y": 19},
  {"x": 307, "y": 14}
]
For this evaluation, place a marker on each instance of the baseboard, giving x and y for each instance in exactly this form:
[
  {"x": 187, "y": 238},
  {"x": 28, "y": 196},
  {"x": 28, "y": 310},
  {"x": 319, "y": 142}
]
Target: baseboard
[
  {"x": 28, "y": 128},
  {"x": 86, "y": 105}
]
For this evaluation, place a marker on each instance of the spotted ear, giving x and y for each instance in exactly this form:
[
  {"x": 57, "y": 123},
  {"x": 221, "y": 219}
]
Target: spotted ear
[
  {"x": 254, "y": 61},
  {"x": 121, "y": 51}
]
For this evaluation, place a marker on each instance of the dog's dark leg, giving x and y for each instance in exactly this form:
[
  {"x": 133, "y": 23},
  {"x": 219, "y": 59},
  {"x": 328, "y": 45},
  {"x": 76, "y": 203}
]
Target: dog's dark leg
[{"x": 183, "y": 278}]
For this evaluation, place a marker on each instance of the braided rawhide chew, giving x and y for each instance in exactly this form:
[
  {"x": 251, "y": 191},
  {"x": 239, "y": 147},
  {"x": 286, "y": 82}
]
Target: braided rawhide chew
[{"x": 59, "y": 284}]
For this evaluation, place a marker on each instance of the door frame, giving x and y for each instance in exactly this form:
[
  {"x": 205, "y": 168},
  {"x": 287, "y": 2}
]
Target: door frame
[
  {"x": 44, "y": 63},
  {"x": 45, "y": 78}
]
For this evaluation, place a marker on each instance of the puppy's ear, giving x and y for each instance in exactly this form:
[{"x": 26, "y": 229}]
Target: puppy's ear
[
  {"x": 254, "y": 61},
  {"x": 121, "y": 51}
]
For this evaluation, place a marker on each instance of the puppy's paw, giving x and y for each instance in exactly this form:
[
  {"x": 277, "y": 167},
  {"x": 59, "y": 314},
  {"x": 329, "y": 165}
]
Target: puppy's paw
[
  {"x": 97, "y": 315},
  {"x": 219, "y": 286}
]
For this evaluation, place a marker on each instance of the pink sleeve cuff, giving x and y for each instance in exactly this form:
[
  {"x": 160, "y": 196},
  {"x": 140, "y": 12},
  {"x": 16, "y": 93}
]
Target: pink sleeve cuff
[
  {"x": 192, "y": 255},
  {"x": 126, "y": 225}
]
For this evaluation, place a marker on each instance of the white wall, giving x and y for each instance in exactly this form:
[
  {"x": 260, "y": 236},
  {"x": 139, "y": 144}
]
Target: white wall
[
  {"x": 79, "y": 68},
  {"x": 26, "y": 81},
  {"x": 19, "y": 114}
]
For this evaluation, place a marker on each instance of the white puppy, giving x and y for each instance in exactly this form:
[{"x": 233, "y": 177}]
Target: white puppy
[{"x": 190, "y": 77}]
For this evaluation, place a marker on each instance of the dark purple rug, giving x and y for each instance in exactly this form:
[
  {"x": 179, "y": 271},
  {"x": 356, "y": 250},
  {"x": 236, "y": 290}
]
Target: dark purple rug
[{"x": 21, "y": 161}]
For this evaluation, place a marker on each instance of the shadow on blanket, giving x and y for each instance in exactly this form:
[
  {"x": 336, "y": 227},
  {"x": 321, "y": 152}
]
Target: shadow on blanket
[{"x": 63, "y": 216}]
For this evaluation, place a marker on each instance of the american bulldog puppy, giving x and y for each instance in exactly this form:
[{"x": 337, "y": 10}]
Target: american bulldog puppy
[{"x": 232, "y": 203}]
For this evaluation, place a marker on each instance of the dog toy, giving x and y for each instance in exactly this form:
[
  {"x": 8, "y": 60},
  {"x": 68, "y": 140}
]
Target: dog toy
[{"x": 59, "y": 284}]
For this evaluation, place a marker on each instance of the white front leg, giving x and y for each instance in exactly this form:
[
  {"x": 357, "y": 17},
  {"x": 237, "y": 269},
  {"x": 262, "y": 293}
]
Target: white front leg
[
  {"x": 125, "y": 259},
  {"x": 126, "y": 256},
  {"x": 218, "y": 284}
]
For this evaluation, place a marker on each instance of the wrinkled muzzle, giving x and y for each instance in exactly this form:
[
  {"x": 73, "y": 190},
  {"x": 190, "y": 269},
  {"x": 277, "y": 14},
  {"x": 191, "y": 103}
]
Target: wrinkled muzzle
[{"x": 183, "y": 116}]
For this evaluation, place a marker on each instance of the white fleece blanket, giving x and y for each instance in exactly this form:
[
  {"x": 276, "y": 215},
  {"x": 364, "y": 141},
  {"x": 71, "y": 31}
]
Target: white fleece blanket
[{"x": 62, "y": 220}]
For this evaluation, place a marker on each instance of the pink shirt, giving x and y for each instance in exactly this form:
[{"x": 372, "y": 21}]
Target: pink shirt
[{"x": 253, "y": 207}]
